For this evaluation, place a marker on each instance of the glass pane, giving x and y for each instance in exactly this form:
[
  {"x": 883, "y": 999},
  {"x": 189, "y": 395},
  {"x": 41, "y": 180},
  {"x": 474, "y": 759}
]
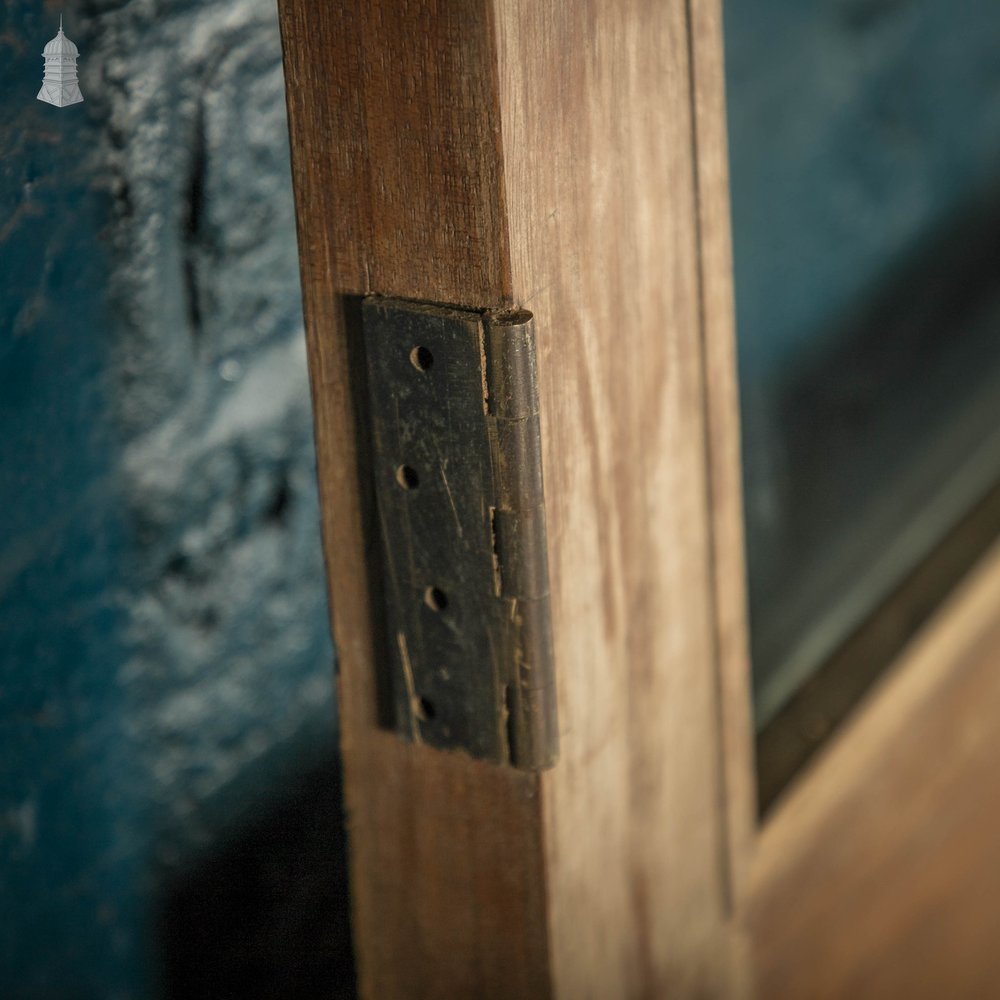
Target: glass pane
[{"x": 865, "y": 165}]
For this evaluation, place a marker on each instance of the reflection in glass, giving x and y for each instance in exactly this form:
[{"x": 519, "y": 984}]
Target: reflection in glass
[{"x": 865, "y": 166}]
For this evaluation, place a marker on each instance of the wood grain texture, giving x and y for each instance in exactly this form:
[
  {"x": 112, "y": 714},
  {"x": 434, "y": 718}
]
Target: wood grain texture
[
  {"x": 394, "y": 117},
  {"x": 878, "y": 874},
  {"x": 448, "y": 881},
  {"x": 602, "y": 196},
  {"x": 571, "y": 187},
  {"x": 721, "y": 394}
]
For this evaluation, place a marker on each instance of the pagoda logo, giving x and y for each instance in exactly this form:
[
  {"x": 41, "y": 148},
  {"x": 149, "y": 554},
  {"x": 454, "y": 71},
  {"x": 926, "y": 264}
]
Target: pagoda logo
[{"x": 59, "y": 85}]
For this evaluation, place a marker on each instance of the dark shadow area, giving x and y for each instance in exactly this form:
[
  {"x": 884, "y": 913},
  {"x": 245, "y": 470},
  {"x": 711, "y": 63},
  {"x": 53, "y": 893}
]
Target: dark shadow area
[
  {"x": 818, "y": 707},
  {"x": 385, "y": 693},
  {"x": 268, "y": 915},
  {"x": 874, "y": 426},
  {"x": 893, "y": 434}
]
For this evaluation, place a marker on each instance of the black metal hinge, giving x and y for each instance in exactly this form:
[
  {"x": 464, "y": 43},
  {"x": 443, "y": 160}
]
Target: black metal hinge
[{"x": 455, "y": 423}]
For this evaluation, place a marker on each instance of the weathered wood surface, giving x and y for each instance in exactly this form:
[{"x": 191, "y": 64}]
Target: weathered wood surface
[
  {"x": 548, "y": 160},
  {"x": 447, "y": 871},
  {"x": 602, "y": 195},
  {"x": 878, "y": 875},
  {"x": 723, "y": 440},
  {"x": 395, "y": 122}
]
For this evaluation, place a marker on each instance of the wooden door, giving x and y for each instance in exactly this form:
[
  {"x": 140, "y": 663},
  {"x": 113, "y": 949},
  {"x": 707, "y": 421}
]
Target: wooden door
[{"x": 569, "y": 159}]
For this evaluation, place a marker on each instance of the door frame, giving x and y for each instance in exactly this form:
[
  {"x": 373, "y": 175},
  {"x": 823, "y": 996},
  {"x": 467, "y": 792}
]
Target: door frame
[{"x": 570, "y": 159}]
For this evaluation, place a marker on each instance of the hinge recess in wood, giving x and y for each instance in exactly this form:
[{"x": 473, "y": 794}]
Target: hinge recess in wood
[{"x": 457, "y": 458}]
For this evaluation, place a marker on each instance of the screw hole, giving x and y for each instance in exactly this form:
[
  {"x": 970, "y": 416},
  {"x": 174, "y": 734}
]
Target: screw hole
[
  {"x": 421, "y": 358},
  {"x": 435, "y": 599},
  {"x": 407, "y": 477},
  {"x": 426, "y": 709}
]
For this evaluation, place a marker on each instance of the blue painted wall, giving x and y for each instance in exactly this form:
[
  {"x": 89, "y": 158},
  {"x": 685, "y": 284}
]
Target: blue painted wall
[{"x": 166, "y": 671}]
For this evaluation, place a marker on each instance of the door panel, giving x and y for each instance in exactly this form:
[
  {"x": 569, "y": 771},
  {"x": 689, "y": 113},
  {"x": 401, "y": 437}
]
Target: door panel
[{"x": 879, "y": 875}]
